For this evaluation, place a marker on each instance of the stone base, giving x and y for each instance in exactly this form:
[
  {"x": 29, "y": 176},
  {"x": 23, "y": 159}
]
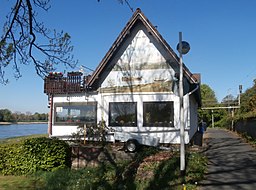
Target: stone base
[{"x": 91, "y": 155}]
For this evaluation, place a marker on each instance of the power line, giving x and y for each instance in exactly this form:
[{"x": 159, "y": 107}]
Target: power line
[{"x": 86, "y": 67}]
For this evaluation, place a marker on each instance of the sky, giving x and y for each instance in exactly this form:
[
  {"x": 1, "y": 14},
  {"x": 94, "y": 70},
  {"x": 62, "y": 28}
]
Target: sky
[{"x": 221, "y": 33}]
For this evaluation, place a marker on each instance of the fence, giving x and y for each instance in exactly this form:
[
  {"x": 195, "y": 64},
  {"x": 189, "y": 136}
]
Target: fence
[
  {"x": 55, "y": 83},
  {"x": 247, "y": 126}
]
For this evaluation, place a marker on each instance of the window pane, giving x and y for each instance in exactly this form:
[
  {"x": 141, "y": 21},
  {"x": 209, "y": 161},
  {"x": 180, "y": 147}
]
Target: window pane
[
  {"x": 122, "y": 114},
  {"x": 158, "y": 114},
  {"x": 75, "y": 113}
]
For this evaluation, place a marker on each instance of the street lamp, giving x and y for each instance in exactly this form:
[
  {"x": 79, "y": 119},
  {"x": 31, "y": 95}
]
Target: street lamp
[{"x": 183, "y": 48}]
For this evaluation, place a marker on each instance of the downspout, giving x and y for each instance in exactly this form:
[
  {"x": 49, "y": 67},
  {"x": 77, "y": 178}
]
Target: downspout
[
  {"x": 50, "y": 116},
  {"x": 197, "y": 86}
]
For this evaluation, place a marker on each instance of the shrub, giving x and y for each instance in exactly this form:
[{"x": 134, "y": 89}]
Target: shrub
[
  {"x": 35, "y": 154},
  {"x": 196, "y": 167},
  {"x": 47, "y": 154},
  {"x": 10, "y": 158}
]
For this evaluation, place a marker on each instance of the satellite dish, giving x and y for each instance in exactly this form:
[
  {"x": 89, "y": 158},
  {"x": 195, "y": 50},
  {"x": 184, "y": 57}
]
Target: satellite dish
[{"x": 185, "y": 47}]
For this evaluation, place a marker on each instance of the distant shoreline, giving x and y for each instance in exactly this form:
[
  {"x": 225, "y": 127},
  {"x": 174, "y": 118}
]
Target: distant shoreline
[{"x": 23, "y": 123}]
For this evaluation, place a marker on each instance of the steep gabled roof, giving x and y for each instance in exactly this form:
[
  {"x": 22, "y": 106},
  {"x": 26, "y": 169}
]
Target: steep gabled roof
[{"x": 138, "y": 15}]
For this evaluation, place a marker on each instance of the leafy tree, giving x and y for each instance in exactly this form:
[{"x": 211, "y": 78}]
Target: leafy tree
[
  {"x": 39, "y": 117},
  {"x": 209, "y": 100},
  {"x": 25, "y": 39},
  {"x": 6, "y": 115},
  {"x": 44, "y": 117},
  {"x": 208, "y": 96},
  {"x": 248, "y": 100}
]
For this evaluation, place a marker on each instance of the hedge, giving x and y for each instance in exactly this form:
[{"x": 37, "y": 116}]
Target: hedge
[{"x": 33, "y": 155}]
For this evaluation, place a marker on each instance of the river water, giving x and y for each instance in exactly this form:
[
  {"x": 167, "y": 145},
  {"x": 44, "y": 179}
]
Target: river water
[{"x": 16, "y": 130}]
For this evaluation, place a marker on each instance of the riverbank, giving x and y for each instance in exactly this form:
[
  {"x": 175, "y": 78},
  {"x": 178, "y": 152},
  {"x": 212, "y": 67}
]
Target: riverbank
[{"x": 24, "y": 122}]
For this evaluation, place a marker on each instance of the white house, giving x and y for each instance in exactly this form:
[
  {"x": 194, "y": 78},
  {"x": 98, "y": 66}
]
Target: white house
[{"x": 134, "y": 89}]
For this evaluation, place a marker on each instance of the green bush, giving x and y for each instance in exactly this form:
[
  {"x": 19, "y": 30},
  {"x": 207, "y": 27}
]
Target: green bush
[
  {"x": 8, "y": 158},
  {"x": 13, "y": 161},
  {"x": 33, "y": 155}
]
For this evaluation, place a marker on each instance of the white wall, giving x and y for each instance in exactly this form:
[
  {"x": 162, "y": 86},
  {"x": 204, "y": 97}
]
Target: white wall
[
  {"x": 166, "y": 134},
  {"x": 134, "y": 77}
]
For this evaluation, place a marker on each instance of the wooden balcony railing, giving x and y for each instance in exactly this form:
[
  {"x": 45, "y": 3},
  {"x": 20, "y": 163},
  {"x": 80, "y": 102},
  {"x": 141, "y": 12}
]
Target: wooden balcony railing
[{"x": 55, "y": 83}]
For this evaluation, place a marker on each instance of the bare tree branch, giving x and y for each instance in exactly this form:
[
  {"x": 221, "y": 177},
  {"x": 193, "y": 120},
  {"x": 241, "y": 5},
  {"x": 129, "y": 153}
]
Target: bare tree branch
[
  {"x": 127, "y": 3},
  {"x": 19, "y": 44}
]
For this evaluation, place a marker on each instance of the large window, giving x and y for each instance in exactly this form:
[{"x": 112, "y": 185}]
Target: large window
[
  {"x": 158, "y": 114},
  {"x": 123, "y": 114},
  {"x": 75, "y": 113}
]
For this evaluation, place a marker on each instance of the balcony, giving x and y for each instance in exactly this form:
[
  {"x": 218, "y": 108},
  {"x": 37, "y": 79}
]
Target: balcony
[{"x": 56, "y": 83}]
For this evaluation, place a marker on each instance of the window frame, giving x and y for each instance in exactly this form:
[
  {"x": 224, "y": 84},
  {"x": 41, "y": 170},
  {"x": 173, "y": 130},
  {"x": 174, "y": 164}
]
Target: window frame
[
  {"x": 82, "y": 104},
  {"x": 158, "y": 123},
  {"x": 127, "y": 124}
]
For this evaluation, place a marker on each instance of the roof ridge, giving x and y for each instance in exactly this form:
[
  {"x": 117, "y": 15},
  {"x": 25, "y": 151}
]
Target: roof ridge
[{"x": 138, "y": 14}]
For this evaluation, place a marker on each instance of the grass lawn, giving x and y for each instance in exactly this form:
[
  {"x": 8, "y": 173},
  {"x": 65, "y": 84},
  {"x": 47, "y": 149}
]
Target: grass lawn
[{"x": 18, "y": 182}]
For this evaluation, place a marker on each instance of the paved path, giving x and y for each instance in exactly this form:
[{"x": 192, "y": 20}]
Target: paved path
[{"x": 232, "y": 162}]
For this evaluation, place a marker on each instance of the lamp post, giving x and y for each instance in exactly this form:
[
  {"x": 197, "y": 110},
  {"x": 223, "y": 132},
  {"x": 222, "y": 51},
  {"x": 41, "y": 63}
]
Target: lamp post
[{"x": 183, "y": 48}]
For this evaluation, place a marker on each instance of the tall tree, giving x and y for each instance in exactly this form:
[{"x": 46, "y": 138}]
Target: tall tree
[
  {"x": 208, "y": 96},
  {"x": 208, "y": 100},
  {"x": 248, "y": 100},
  {"x": 20, "y": 44}
]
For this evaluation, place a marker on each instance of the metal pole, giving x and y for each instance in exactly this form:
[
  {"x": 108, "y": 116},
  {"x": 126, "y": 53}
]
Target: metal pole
[
  {"x": 50, "y": 116},
  {"x": 212, "y": 120},
  {"x": 232, "y": 122},
  {"x": 239, "y": 96},
  {"x": 182, "y": 128}
]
